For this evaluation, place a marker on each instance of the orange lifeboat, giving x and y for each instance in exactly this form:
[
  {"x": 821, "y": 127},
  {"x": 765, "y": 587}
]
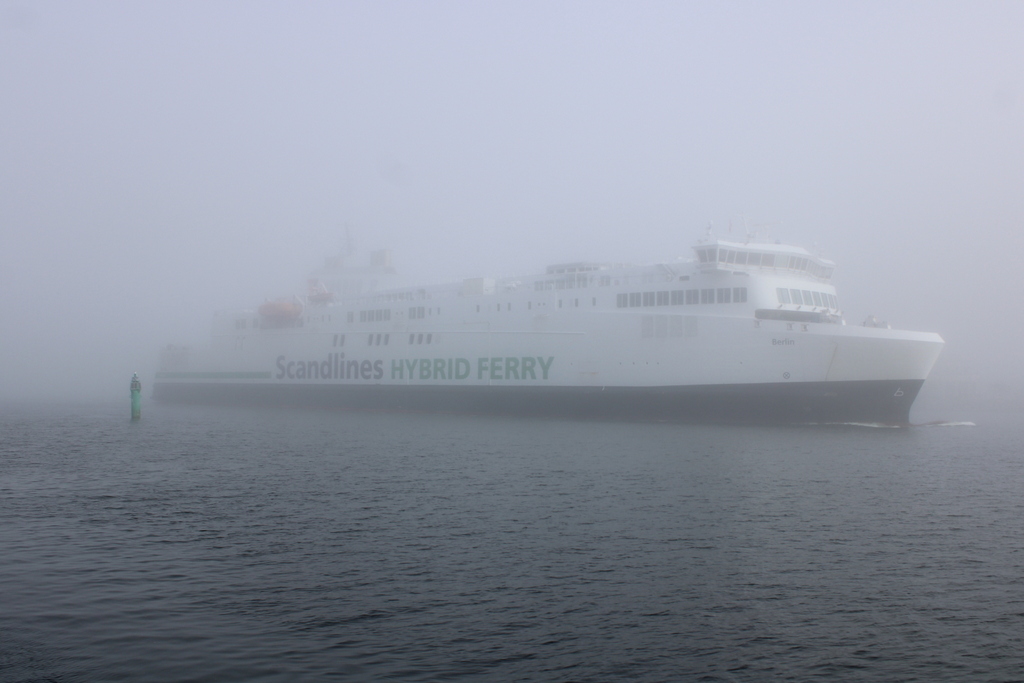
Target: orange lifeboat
[{"x": 281, "y": 310}]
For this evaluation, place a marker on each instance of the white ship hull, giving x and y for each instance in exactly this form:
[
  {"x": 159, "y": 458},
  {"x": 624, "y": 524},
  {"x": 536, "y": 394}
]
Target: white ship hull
[{"x": 583, "y": 352}]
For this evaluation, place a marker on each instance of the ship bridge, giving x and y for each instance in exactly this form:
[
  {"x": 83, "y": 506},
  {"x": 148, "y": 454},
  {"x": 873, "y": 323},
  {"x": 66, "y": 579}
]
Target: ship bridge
[{"x": 757, "y": 256}]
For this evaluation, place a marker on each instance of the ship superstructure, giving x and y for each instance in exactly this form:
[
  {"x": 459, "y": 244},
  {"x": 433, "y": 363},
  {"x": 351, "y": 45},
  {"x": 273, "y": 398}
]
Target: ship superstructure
[{"x": 743, "y": 331}]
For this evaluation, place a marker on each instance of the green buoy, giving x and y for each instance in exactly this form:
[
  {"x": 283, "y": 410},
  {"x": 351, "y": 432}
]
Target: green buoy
[{"x": 136, "y": 397}]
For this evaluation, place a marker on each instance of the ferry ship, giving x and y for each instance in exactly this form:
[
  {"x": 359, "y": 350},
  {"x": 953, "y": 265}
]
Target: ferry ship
[{"x": 743, "y": 331}]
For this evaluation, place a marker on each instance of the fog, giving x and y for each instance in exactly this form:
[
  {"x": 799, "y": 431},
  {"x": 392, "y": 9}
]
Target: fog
[{"x": 161, "y": 161}]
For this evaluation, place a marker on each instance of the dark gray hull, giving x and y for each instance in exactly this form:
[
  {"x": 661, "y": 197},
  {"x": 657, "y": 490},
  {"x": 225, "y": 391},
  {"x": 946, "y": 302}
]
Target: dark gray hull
[{"x": 874, "y": 401}]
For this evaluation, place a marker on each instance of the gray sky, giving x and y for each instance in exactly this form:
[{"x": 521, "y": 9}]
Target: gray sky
[{"x": 159, "y": 161}]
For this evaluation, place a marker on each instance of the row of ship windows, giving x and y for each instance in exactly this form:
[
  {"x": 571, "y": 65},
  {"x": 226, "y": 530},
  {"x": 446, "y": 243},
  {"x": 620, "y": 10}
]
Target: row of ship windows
[
  {"x": 581, "y": 281},
  {"x": 384, "y": 314},
  {"x": 374, "y": 316},
  {"x": 529, "y": 305},
  {"x": 385, "y": 339},
  {"x": 807, "y": 298},
  {"x": 665, "y": 326},
  {"x": 680, "y": 297},
  {"x": 740, "y": 258},
  {"x": 571, "y": 282}
]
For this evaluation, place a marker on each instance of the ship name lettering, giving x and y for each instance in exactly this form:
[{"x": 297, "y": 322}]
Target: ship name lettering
[
  {"x": 333, "y": 367},
  {"x": 783, "y": 342},
  {"x": 489, "y": 368},
  {"x": 500, "y": 368}
]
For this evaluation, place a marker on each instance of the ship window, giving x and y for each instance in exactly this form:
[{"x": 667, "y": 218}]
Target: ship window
[
  {"x": 647, "y": 326},
  {"x": 419, "y": 338},
  {"x": 529, "y": 305},
  {"x": 369, "y": 341},
  {"x": 661, "y": 326},
  {"x": 342, "y": 340},
  {"x": 724, "y": 295},
  {"x": 362, "y": 316},
  {"x": 797, "y": 297},
  {"x": 817, "y": 299},
  {"x": 559, "y": 303},
  {"x": 702, "y": 254},
  {"x": 648, "y": 298},
  {"x": 834, "y": 300},
  {"x": 663, "y": 298},
  {"x": 429, "y": 338},
  {"x": 335, "y": 342},
  {"x": 605, "y": 280},
  {"x": 621, "y": 300},
  {"x": 732, "y": 256},
  {"x": 783, "y": 294},
  {"x": 478, "y": 308},
  {"x": 741, "y": 258},
  {"x": 387, "y": 338},
  {"x": 378, "y": 340},
  {"x": 768, "y": 260},
  {"x": 707, "y": 296},
  {"x": 634, "y": 299},
  {"x": 739, "y": 294},
  {"x": 692, "y": 296},
  {"x": 754, "y": 259},
  {"x": 576, "y": 303},
  {"x": 677, "y": 297},
  {"x": 350, "y": 316},
  {"x": 808, "y": 299},
  {"x": 593, "y": 301},
  {"x": 723, "y": 255},
  {"x": 412, "y": 338}
]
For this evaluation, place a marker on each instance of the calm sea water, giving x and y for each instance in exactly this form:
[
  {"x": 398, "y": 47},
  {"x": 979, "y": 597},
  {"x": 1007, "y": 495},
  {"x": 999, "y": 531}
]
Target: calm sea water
[{"x": 241, "y": 545}]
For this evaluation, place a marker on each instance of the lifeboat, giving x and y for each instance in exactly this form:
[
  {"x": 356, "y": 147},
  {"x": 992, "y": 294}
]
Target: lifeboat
[
  {"x": 321, "y": 297},
  {"x": 318, "y": 293},
  {"x": 281, "y": 310}
]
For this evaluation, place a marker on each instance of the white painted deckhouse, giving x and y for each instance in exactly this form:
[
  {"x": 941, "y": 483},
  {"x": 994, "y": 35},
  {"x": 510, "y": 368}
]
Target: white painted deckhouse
[{"x": 746, "y": 331}]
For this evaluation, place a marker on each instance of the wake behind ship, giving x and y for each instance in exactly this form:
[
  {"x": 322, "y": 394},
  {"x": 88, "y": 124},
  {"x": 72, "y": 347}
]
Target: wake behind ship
[{"x": 746, "y": 331}]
